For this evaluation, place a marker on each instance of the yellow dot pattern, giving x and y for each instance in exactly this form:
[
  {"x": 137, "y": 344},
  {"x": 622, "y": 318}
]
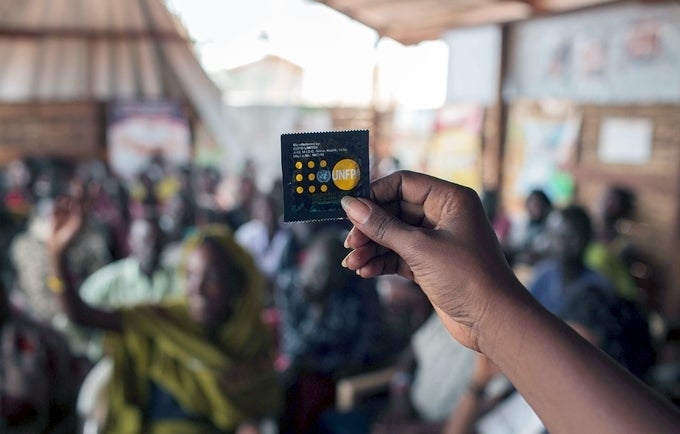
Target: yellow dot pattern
[{"x": 301, "y": 176}]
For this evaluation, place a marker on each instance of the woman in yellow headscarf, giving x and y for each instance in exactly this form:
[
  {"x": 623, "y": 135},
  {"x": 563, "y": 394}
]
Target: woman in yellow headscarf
[{"x": 200, "y": 365}]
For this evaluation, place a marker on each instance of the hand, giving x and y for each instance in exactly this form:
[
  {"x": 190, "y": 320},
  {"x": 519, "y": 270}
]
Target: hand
[
  {"x": 67, "y": 221},
  {"x": 248, "y": 428},
  {"x": 437, "y": 234}
]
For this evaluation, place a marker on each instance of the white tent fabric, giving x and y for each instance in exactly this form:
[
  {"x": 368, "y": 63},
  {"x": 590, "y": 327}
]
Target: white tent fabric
[{"x": 103, "y": 50}]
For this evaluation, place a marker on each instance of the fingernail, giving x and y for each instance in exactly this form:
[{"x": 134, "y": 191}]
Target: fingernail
[
  {"x": 344, "y": 263},
  {"x": 346, "y": 244},
  {"x": 355, "y": 209}
]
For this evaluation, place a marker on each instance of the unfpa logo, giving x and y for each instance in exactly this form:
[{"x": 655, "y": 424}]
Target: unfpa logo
[{"x": 346, "y": 174}]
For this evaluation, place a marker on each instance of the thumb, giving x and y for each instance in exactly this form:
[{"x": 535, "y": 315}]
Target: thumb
[{"x": 381, "y": 227}]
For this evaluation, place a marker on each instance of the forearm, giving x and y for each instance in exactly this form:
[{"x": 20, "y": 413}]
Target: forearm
[
  {"x": 572, "y": 386},
  {"x": 435, "y": 233},
  {"x": 73, "y": 305}
]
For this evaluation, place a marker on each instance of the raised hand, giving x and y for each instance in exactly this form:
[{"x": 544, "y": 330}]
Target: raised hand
[{"x": 67, "y": 220}]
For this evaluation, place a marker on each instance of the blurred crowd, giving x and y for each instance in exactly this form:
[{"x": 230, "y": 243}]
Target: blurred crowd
[{"x": 195, "y": 309}]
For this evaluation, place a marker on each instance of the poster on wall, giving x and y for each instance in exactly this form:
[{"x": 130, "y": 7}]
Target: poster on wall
[
  {"x": 540, "y": 147},
  {"x": 621, "y": 54},
  {"x": 625, "y": 141},
  {"x": 455, "y": 150},
  {"x": 141, "y": 130}
]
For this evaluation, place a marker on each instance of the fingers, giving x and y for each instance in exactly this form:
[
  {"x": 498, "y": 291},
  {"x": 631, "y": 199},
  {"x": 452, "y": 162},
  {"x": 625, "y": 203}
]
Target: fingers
[
  {"x": 61, "y": 205},
  {"x": 355, "y": 239},
  {"x": 391, "y": 232},
  {"x": 67, "y": 213},
  {"x": 381, "y": 227},
  {"x": 421, "y": 200},
  {"x": 360, "y": 256},
  {"x": 382, "y": 243},
  {"x": 369, "y": 259},
  {"x": 391, "y": 188},
  {"x": 368, "y": 263},
  {"x": 65, "y": 205}
]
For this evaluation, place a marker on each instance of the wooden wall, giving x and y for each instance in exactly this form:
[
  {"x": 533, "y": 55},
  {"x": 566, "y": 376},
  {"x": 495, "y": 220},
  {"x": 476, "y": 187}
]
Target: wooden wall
[
  {"x": 492, "y": 146},
  {"x": 71, "y": 130},
  {"x": 546, "y": 59},
  {"x": 656, "y": 184}
]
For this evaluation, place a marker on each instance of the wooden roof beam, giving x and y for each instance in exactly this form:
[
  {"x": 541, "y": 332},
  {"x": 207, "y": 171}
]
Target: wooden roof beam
[
  {"x": 121, "y": 35},
  {"x": 496, "y": 13},
  {"x": 548, "y": 6}
]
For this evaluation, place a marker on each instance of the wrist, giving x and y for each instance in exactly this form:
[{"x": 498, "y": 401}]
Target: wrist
[
  {"x": 57, "y": 264},
  {"x": 504, "y": 338},
  {"x": 503, "y": 319}
]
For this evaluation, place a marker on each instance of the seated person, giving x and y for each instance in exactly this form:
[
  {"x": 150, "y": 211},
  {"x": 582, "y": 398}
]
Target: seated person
[
  {"x": 202, "y": 364},
  {"x": 270, "y": 243},
  {"x": 38, "y": 383},
  {"x": 30, "y": 259},
  {"x": 583, "y": 298},
  {"x": 139, "y": 278},
  {"x": 422, "y": 400},
  {"x": 604, "y": 319},
  {"x": 533, "y": 245},
  {"x": 331, "y": 325},
  {"x": 482, "y": 411},
  {"x": 564, "y": 274},
  {"x": 176, "y": 221},
  {"x": 405, "y": 307},
  {"x": 612, "y": 253},
  {"x": 572, "y": 291}
]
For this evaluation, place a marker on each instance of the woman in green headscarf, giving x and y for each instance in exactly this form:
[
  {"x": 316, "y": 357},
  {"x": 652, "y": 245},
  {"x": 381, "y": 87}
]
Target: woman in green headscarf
[{"x": 200, "y": 365}]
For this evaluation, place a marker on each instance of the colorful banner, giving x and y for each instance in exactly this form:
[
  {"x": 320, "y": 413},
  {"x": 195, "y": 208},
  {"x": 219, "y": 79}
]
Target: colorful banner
[
  {"x": 455, "y": 150},
  {"x": 140, "y": 130},
  {"x": 540, "y": 148}
]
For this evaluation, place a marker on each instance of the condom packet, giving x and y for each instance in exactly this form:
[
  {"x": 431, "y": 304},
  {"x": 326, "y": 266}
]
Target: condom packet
[{"x": 318, "y": 169}]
